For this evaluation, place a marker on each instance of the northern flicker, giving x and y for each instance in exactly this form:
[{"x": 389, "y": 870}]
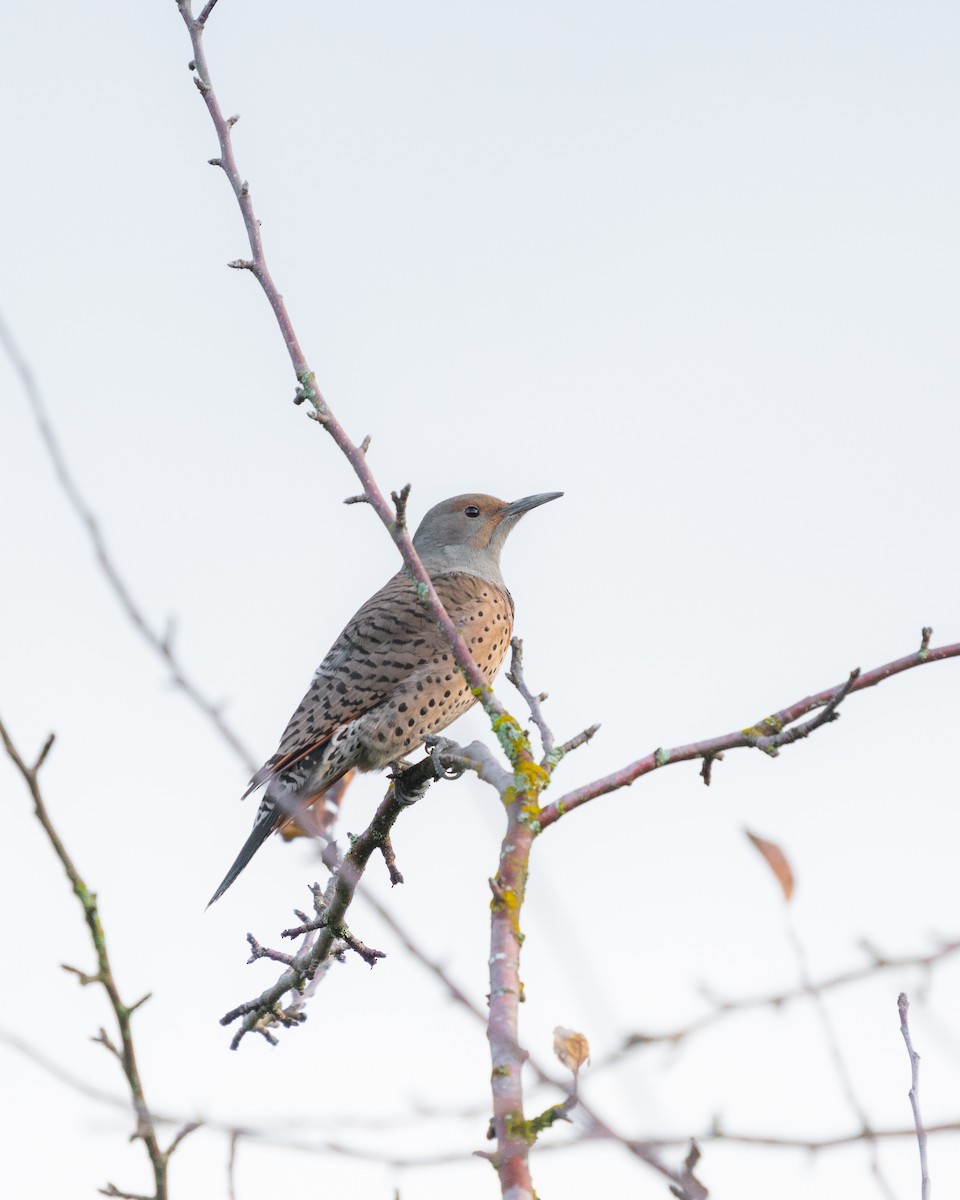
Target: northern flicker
[{"x": 390, "y": 679}]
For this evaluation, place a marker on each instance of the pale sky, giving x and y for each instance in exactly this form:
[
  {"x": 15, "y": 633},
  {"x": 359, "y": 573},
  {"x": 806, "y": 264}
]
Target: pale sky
[{"x": 693, "y": 264}]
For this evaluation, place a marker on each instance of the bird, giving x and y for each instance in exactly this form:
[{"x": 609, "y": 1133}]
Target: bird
[{"x": 390, "y": 679}]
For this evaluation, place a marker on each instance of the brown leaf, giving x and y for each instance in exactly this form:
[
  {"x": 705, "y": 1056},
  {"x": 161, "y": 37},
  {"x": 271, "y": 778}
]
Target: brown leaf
[
  {"x": 776, "y": 860},
  {"x": 571, "y": 1048}
]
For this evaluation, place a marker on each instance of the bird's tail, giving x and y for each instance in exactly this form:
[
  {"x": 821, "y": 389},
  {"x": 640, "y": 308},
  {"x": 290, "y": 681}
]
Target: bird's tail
[{"x": 263, "y": 826}]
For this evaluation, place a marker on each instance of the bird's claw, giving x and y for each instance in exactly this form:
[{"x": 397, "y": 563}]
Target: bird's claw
[
  {"x": 436, "y": 746},
  {"x": 406, "y": 793}
]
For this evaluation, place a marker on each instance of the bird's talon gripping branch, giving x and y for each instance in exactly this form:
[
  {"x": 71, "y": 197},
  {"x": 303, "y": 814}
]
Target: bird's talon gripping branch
[
  {"x": 408, "y": 788},
  {"x": 438, "y": 746}
]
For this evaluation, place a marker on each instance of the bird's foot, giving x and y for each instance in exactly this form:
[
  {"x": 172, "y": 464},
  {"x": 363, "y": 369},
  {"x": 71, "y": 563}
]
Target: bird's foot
[
  {"x": 436, "y": 746},
  {"x": 407, "y": 792}
]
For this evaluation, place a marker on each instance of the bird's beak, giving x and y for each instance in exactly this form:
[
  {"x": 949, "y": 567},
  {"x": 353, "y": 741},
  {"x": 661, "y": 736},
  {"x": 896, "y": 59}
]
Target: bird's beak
[{"x": 518, "y": 507}]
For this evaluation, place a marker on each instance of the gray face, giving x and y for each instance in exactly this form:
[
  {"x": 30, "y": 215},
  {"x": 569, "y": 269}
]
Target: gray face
[{"x": 467, "y": 532}]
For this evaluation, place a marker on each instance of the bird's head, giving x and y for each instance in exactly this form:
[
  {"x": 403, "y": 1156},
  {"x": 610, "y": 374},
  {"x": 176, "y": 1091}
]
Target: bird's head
[{"x": 466, "y": 533}]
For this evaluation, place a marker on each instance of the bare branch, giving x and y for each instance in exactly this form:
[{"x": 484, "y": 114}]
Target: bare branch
[
  {"x": 181, "y": 1134},
  {"x": 207, "y": 10},
  {"x": 125, "y": 1052},
  {"x": 157, "y": 640},
  {"x": 903, "y": 1004},
  {"x": 768, "y": 735},
  {"x": 777, "y": 1000},
  {"x": 390, "y": 858},
  {"x": 578, "y": 740},
  {"x": 231, "y": 1166},
  {"x": 265, "y": 1011},
  {"x": 511, "y": 736},
  {"x": 835, "y": 1050},
  {"x": 515, "y": 675}
]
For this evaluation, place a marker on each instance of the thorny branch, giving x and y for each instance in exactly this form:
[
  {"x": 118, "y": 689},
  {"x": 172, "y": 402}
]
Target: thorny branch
[{"x": 124, "y": 1052}]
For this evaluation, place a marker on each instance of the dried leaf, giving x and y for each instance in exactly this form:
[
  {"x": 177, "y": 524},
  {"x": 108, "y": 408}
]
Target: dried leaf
[
  {"x": 776, "y": 860},
  {"x": 571, "y": 1048}
]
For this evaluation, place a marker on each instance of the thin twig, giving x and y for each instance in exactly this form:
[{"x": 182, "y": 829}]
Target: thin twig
[
  {"x": 534, "y": 703},
  {"x": 264, "y": 1011},
  {"x": 125, "y": 1053},
  {"x": 838, "y": 1058},
  {"x": 232, "y": 1166},
  {"x": 903, "y": 1004},
  {"x": 777, "y": 1000},
  {"x": 207, "y": 10},
  {"x": 160, "y": 642}
]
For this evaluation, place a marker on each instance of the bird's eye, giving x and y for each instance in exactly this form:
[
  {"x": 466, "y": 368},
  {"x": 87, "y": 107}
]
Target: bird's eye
[{"x": 472, "y": 511}]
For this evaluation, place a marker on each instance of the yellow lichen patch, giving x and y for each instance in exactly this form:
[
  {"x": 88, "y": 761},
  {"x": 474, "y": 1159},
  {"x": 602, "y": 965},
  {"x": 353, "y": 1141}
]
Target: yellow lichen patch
[
  {"x": 533, "y": 777},
  {"x": 519, "y": 1130},
  {"x": 506, "y": 899},
  {"x": 765, "y": 728}
]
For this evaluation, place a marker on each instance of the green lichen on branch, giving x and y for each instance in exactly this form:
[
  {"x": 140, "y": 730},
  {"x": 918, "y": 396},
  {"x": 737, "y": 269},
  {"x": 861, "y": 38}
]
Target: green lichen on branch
[
  {"x": 529, "y": 1131},
  {"x": 768, "y": 727},
  {"x": 308, "y": 391}
]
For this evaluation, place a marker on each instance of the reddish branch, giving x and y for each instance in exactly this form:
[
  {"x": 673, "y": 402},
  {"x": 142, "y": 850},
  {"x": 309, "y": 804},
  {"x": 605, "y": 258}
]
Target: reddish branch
[
  {"x": 512, "y": 1152},
  {"x": 392, "y": 517},
  {"x": 768, "y": 735}
]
